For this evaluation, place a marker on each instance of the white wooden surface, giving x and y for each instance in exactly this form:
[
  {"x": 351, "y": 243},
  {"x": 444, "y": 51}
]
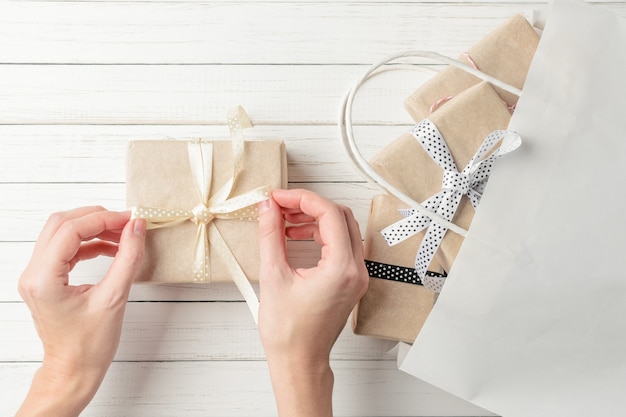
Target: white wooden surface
[{"x": 79, "y": 79}]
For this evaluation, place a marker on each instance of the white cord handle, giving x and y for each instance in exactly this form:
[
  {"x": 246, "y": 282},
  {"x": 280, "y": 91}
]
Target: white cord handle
[{"x": 361, "y": 164}]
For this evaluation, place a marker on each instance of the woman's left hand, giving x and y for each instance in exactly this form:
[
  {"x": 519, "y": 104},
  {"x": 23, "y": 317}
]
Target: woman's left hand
[{"x": 79, "y": 326}]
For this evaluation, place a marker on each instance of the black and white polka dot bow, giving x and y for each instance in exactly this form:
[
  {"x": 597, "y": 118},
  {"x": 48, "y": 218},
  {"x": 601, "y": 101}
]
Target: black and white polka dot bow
[{"x": 471, "y": 182}]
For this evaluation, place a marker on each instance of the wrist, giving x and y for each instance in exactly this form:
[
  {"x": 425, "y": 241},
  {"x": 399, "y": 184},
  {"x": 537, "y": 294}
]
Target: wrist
[
  {"x": 302, "y": 387},
  {"x": 301, "y": 365},
  {"x": 56, "y": 392}
]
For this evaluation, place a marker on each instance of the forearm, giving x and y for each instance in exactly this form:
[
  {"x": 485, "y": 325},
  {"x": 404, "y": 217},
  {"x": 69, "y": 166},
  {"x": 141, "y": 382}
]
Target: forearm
[
  {"x": 55, "y": 395},
  {"x": 302, "y": 389}
]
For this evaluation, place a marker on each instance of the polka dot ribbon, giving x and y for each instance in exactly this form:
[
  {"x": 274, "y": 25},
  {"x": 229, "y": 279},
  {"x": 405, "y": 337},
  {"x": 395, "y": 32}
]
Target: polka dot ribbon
[
  {"x": 219, "y": 205},
  {"x": 470, "y": 182},
  {"x": 398, "y": 273}
]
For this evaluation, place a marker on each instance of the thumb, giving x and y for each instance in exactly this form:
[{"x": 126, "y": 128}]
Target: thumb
[
  {"x": 128, "y": 258},
  {"x": 273, "y": 253}
]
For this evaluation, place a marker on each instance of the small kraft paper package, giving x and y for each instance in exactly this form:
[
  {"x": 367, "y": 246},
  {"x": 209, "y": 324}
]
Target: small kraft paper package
[
  {"x": 200, "y": 200},
  {"x": 505, "y": 54}
]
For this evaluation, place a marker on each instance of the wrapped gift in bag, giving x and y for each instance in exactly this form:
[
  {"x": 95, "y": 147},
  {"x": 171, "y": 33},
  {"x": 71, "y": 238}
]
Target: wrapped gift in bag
[
  {"x": 443, "y": 162},
  {"x": 390, "y": 309},
  {"x": 401, "y": 244},
  {"x": 505, "y": 54},
  {"x": 410, "y": 167},
  {"x": 530, "y": 320},
  {"x": 200, "y": 200}
]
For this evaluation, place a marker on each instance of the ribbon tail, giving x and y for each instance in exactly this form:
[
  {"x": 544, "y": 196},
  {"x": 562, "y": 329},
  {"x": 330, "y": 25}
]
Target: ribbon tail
[
  {"x": 510, "y": 142},
  {"x": 431, "y": 242},
  {"x": 201, "y": 260},
  {"x": 243, "y": 206},
  {"x": 474, "y": 197},
  {"x": 222, "y": 194},
  {"x": 412, "y": 223},
  {"x": 429, "y": 246},
  {"x": 405, "y": 228},
  {"x": 434, "y": 282},
  {"x": 237, "y": 274},
  {"x": 237, "y": 121}
]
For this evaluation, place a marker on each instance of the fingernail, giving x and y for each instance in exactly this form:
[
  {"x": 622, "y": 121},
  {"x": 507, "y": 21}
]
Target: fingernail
[
  {"x": 139, "y": 228},
  {"x": 264, "y": 205}
]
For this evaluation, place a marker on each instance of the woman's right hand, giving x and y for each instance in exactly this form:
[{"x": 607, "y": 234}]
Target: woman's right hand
[{"x": 303, "y": 311}]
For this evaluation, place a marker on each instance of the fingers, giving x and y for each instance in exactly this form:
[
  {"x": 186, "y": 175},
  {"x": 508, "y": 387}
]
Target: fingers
[
  {"x": 56, "y": 220},
  {"x": 297, "y": 218},
  {"x": 304, "y": 232},
  {"x": 60, "y": 245},
  {"x": 127, "y": 261},
  {"x": 69, "y": 235},
  {"x": 362, "y": 276},
  {"x": 110, "y": 235},
  {"x": 273, "y": 253},
  {"x": 333, "y": 230},
  {"x": 92, "y": 250},
  {"x": 355, "y": 235},
  {"x": 302, "y": 201},
  {"x": 311, "y": 231}
]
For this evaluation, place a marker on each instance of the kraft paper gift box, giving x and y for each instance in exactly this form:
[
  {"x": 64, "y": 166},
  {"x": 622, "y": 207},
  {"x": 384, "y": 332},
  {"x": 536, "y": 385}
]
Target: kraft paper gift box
[
  {"x": 397, "y": 310},
  {"x": 391, "y": 310},
  {"x": 159, "y": 175},
  {"x": 505, "y": 54}
]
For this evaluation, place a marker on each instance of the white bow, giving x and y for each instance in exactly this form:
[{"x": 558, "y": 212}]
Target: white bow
[{"x": 471, "y": 181}]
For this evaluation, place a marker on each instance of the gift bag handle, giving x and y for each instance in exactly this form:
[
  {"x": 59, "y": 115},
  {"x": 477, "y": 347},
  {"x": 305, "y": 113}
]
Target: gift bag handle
[{"x": 361, "y": 164}]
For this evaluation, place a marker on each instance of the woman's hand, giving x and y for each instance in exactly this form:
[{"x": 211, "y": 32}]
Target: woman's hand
[
  {"x": 303, "y": 311},
  {"x": 79, "y": 326}
]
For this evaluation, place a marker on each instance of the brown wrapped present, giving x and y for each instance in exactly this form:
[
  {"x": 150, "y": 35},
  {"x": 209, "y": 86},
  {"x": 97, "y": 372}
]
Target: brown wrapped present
[
  {"x": 161, "y": 188},
  {"x": 391, "y": 310},
  {"x": 396, "y": 310},
  {"x": 505, "y": 54}
]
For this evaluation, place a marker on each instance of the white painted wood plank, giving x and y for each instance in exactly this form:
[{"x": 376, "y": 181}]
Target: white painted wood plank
[
  {"x": 88, "y": 153},
  {"x": 240, "y": 33},
  {"x": 290, "y": 1},
  {"x": 24, "y": 208},
  {"x": 15, "y": 255},
  {"x": 537, "y": 2},
  {"x": 176, "y": 331},
  {"x": 198, "y": 94},
  {"x": 223, "y": 389}
]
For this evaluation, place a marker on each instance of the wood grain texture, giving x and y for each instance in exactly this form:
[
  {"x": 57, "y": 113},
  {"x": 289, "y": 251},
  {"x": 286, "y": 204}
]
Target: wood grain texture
[
  {"x": 242, "y": 388},
  {"x": 199, "y": 94},
  {"x": 97, "y": 154},
  {"x": 245, "y": 33},
  {"x": 240, "y": 33},
  {"x": 179, "y": 331}
]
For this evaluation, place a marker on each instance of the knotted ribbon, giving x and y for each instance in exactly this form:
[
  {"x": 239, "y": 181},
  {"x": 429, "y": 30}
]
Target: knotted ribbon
[
  {"x": 220, "y": 205},
  {"x": 471, "y": 182}
]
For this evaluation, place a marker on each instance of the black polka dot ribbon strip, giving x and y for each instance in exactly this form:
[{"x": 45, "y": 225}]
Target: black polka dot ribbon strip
[
  {"x": 471, "y": 182},
  {"x": 398, "y": 273}
]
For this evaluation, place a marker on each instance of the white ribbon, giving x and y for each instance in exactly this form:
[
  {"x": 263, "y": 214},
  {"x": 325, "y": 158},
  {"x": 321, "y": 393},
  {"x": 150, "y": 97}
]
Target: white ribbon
[
  {"x": 242, "y": 207},
  {"x": 471, "y": 182}
]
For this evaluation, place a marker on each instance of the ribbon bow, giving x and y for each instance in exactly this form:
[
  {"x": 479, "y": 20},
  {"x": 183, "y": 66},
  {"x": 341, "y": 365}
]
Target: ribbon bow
[
  {"x": 471, "y": 182},
  {"x": 242, "y": 207}
]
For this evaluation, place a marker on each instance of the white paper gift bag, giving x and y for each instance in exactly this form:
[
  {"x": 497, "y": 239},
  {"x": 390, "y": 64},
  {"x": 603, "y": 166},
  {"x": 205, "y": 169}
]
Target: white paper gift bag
[{"x": 532, "y": 319}]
